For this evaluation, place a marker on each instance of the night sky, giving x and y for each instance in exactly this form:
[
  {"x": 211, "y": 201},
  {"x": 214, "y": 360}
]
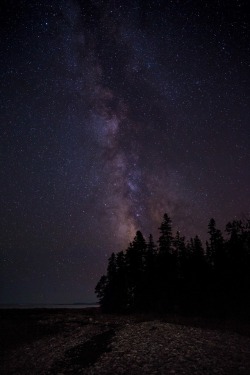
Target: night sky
[{"x": 113, "y": 113}]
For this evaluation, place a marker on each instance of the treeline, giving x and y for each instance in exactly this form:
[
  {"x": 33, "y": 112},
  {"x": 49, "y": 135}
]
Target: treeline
[{"x": 179, "y": 275}]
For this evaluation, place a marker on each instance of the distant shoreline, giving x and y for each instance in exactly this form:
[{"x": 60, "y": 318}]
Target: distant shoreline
[{"x": 48, "y": 306}]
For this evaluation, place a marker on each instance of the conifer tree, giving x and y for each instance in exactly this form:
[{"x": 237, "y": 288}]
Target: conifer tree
[
  {"x": 101, "y": 289},
  {"x": 151, "y": 252},
  {"x": 165, "y": 239},
  {"x": 178, "y": 274},
  {"x": 166, "y": 265},
  {"x": 215, "y": 245},
  {"x": 149, "y": 280},
  {"x": 135, "y": 261}
]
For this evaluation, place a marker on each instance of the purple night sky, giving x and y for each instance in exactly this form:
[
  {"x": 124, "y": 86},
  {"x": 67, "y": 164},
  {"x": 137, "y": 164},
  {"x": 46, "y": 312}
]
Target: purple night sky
[{"x": 113, "y": 113}]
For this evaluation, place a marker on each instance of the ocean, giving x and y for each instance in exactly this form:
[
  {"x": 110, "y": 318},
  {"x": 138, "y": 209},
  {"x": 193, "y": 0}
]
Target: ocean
[{"x": 48, "y": 306}]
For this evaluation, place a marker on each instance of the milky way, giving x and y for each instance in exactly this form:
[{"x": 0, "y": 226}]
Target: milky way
[{"x": 113, "y": 113}]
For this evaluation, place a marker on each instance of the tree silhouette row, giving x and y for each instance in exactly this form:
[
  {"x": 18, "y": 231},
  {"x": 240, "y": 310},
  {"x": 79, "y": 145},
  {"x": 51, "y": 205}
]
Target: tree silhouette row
[{"x": 179, "y": 275}]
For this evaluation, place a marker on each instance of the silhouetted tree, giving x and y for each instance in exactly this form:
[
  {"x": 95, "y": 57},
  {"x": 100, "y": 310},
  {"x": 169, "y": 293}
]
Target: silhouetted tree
[
  {"x": 178, "y": 274},
  {"x": 167, "y": 265},
  {"x": 182, "y": 254},
  {"x": 150, "y": 255},
  {"x": 195, "y": 276},
  {"x": 122, "y": 282},
  {"x": 217, "y": 262},
  {"x": 135, "y": 260},
  {"x": 150, "y": 276},
  {"x": 215, "y": 245},
  {"x": 238, "y": 266},
  {"x": 165, "y": 239},
  {"x": 101, "y": 289},
  {"x": 108, "y": 289},
  {"x": 109, "y": 303}
]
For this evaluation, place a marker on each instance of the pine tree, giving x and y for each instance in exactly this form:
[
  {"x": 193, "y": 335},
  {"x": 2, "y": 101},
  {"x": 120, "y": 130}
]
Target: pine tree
[
  {"x": 149, "y": 279},
  {"x": 215, "y": 245},
  {"x": 121, "y": 282},
  {"x": 178, "y": 274},
  {"x": 166, "y": 265},
  {"x": 165, "y": 239},
  {"x": 101, "y": 289},
  {"x": 150, "y": 254},
  {"x": 135, "y": 261},
  {"x": 197, "y": 275},
  {"x": 109, "y": 303}
]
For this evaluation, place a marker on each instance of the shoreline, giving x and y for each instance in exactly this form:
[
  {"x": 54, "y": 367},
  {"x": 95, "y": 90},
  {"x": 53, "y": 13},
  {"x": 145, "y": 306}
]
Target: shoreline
[
  {"x": 47, "y": 306},
  {"x": 86, "y": 341}
]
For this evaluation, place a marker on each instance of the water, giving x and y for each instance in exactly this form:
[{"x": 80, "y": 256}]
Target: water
[{"x": 48, "y": 306}]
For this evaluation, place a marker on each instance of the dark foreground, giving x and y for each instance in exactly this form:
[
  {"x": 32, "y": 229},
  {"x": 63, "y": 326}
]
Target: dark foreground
[{"x": 44, "y": 341}]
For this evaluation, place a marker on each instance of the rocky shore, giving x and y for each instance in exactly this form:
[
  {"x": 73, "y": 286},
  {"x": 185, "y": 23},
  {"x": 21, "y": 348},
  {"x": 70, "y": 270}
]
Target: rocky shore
[{"x": 87, "y": 342}]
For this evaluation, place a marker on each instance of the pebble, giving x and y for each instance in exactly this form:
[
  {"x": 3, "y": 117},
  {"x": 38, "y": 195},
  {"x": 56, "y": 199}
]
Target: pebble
[{"x": 147, "y": 347}]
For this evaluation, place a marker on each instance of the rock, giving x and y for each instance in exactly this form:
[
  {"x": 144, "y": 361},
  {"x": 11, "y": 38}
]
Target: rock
[{"x": 242, "y": 369}]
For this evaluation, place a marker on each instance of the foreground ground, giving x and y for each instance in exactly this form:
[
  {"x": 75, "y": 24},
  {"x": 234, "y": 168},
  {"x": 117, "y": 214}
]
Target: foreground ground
[{"x": 88, "y": 342}]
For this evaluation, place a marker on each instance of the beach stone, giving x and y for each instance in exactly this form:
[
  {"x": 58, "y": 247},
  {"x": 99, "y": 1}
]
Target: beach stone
[{"x": 135, "y": 347}]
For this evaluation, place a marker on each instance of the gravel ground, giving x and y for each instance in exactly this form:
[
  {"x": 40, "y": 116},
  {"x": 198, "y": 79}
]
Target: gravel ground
[
  {"x": 160, "y": 348},
  {"x": 87, "y": 342}
]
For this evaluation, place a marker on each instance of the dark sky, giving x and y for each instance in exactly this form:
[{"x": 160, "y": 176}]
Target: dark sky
[{"x": 113, "y": 113}]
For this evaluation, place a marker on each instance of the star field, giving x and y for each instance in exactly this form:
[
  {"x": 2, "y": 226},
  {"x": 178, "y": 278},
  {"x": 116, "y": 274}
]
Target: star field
[{"x": 113, "y": 113}]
